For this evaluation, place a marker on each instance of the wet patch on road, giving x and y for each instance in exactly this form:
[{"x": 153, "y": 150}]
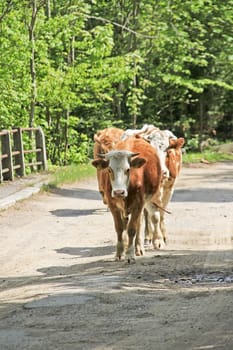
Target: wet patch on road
[{"x": 205, "y": 278}]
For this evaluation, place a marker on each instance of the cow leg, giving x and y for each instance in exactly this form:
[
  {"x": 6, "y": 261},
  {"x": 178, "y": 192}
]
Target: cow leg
[
  {"x": 130, "y": 253},
  {"x": 134, "y": 231},
  {"x": 120, "y": 248},
  {"x": 154, "y": 217},
  {"x": 163, "y": 226},
  {"x": 139, "y": 246},
  {"x": 119, "y": 224},
  {"x": 148, "y": 229},
  {"x": 158, "y": 241},
  {"x": 168, "y": 189}
]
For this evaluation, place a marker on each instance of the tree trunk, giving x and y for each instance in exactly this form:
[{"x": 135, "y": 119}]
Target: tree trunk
[
  {"x": 48, "y": 9},
  {"x": 32, "y": 64},
  {"x": 201, "y": 118},
  {"x": 70, "y": 61},
  {"x": 134, "y": 48}
]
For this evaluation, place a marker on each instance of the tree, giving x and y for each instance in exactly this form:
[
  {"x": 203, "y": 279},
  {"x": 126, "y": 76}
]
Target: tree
[
  {"x": 76, "y": 66},
  {"x": 14, "y": 58}
]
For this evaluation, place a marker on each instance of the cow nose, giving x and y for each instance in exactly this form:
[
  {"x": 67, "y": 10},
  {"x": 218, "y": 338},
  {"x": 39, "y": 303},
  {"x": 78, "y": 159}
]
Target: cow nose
[
  {"x": 165, "y": 173},
  {"x": 119, "y": 193}
]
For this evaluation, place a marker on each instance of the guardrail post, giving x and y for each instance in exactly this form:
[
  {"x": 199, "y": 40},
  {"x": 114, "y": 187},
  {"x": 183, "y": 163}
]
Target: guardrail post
[
  {"x": 40, "y": 143},
  {"x": 7, "y": 163},
  {"x": 18, "y": 146}
]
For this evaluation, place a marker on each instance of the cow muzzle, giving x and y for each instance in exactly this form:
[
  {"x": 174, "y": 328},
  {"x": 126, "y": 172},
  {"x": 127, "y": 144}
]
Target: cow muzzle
[
  {"x": 119, "y": 193},
  {"x": 165, "y": 173}
]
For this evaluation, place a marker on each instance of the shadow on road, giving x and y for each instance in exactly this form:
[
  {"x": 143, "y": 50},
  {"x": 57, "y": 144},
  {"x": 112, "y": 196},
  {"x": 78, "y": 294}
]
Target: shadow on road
[
  {"x": 75, "y": 192},
  {"x": 75, "y": 212},
  {"x": 87, "y": 251},
  {"x": 214, "y": 195}
]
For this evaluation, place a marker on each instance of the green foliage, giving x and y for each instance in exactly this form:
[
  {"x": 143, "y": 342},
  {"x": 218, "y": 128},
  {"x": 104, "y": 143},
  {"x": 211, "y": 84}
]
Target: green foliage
[
  {"x": 78, "y": 151},
  {"x": 14, "y": 79},
  {"x": 103, "y": 63}
]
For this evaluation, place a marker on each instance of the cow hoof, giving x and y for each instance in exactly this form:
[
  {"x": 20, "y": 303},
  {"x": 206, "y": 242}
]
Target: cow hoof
[
  {"x": 130, "y": 257},
  {"x": 119, "y": 258},
  {"x": 131, "y": 260},
  {"x": 158, "y": 244},
  {"x": 147, "y": 243},
  {"x": 139, "y": 251}
]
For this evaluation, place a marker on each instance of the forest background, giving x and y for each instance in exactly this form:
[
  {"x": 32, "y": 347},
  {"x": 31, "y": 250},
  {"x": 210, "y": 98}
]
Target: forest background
[{"x": 74, "y": 67}]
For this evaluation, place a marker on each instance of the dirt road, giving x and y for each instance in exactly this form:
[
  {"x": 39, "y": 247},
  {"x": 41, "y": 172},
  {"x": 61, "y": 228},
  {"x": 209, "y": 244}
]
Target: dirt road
[{"x": 61, "y": 289}]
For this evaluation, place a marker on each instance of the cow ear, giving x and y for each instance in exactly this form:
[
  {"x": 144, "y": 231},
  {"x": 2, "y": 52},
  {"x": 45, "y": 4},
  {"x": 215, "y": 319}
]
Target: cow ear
[
  {"x": 100, "y": 163},
  {"x": 137, "y": 162},
  {"x": 96, "y": 138},
  {"x": 172, "y": 143},
  {"x": 180, "y": 142},
  {"x": 176, "y": 143}
]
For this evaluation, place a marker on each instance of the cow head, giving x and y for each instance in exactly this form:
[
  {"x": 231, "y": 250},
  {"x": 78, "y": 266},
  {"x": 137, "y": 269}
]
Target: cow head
[
  {"x": 119, "y": 164},
  {"x": 106, "y": 139},
  {"x": 174, "y": 156},
  {"x": 104, "y": 144},
  {"x": 160, "y": 141}
]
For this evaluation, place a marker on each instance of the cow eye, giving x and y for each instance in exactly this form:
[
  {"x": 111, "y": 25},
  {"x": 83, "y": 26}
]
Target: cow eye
[{"x": 127, "y": 171}]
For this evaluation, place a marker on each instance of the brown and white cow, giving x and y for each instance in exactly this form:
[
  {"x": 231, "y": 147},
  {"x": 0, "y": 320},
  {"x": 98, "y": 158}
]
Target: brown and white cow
[
  {"x": 173, "y": 164},
  {"x": 167, "y": 147},
  {"x": 132, "y": 177},
  {"x": 105, "y": 141},
  {"x": 159, "y": 139}
]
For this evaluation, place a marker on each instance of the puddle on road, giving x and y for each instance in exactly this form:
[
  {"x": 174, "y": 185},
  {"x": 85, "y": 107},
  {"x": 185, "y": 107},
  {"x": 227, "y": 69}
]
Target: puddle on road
[{"x": 211, "y": 278}]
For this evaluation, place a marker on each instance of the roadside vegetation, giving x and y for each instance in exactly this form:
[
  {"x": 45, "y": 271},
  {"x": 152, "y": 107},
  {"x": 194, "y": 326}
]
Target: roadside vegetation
[
  {"x": 212, "y": 152},
  {"x": 206, "y": 157}
]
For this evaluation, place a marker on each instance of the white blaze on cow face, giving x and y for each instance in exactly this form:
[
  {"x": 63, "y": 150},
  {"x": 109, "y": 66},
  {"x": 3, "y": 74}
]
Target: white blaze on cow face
[{"x": 119, "y": 164}]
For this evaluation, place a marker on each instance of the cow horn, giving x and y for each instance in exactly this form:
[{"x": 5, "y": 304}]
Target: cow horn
[
  {"x": 134, "y": 154},
  {"x": 101, "y": 155}
]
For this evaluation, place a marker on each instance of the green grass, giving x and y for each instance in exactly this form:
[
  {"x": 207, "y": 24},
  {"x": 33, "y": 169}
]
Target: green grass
[
  {"x": 69, "y": 174},
  {"x": 209, "y": 156}
]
